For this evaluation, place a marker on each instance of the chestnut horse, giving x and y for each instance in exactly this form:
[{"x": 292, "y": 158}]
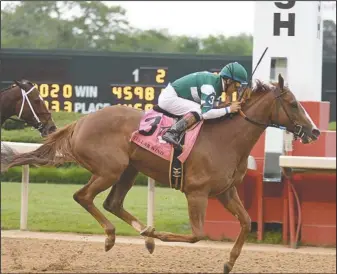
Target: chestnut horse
[{"x": 100, "y": 142}]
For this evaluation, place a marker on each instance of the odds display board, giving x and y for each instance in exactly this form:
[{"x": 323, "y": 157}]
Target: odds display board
[{"x": 85, "y": 82}]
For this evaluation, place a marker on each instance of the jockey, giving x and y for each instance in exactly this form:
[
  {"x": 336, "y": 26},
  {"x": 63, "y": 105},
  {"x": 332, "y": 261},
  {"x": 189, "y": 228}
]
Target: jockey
[{"x": 195, "y": 96}]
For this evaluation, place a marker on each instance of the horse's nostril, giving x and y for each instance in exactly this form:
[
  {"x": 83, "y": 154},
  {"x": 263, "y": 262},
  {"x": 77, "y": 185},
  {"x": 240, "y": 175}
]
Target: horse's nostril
[{"x": 316, "y": 132}]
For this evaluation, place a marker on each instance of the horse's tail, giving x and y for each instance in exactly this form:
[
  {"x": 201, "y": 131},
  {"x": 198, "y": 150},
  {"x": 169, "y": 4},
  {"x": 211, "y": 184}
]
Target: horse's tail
[
  {"x": 55, "y": 150},
  {"x": 7, "y": 154}
]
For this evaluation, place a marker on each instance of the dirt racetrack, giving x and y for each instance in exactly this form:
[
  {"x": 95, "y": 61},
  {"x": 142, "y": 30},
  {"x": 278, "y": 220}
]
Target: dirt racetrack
[{"x": 72, "y": 253}]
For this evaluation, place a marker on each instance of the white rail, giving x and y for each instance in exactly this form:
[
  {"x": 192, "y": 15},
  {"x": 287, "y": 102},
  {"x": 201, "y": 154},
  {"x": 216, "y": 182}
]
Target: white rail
[
  {"x": 304, "y": 162},
  {"x": 23, "y": 148}
]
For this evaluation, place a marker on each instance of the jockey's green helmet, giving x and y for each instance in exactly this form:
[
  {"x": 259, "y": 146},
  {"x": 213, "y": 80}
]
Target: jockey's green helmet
[{"x": 236, "y": 72}]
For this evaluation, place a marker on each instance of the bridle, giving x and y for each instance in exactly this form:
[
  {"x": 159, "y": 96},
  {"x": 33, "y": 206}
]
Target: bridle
[
  {"x": 25, "y": 98},
  {"x": 298, "y": 129}
]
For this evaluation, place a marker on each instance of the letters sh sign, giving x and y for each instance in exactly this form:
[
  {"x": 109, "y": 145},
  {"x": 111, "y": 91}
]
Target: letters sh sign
[
  {"x": 285, "y": 18},
  {"x": 289, "y": 23},
  {"x": 292, "y": 32}
]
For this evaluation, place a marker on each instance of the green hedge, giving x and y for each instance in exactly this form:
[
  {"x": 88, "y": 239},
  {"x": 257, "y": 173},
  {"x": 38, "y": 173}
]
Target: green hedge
[
  {"x": 27, "y": 135},
  {"x": 13, "y": 124},
  {"x": 60, "y": 175}
]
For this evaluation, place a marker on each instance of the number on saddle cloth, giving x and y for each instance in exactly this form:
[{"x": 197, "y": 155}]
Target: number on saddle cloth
[{"x": 155, "y": 121}]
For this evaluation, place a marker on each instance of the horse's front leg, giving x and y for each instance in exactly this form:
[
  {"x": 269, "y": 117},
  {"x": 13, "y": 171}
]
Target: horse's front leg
[
  {"x": 197, "y": 203},
  {"x": 231, "y": 201}
]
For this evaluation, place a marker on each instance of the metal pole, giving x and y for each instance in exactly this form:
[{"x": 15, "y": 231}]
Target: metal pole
[
  {"x": 24, "y": 197},
  {"x": 150, "y": 201}
]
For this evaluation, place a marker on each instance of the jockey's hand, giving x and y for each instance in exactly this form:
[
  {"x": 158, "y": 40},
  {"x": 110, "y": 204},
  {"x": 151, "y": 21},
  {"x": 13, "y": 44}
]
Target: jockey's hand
[{"x": 235, "y": 106}]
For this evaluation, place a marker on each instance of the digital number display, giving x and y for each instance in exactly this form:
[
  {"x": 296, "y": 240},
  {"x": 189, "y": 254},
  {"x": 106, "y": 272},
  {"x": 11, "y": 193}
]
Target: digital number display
[
  {"x": 86, "y": 83},
  {"x": 144, "y": 91},
  {"x": 128, "y": 93},
  {"x": 57, "y": 97}
]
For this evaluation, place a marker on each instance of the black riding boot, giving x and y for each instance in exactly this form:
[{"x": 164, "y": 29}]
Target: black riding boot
[{"x": 173, "y": 134}]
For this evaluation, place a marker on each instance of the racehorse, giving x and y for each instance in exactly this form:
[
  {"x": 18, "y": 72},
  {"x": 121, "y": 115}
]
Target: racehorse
[
  {"x": 100, "y": 142},
  {"x": 23, "y": 99}
]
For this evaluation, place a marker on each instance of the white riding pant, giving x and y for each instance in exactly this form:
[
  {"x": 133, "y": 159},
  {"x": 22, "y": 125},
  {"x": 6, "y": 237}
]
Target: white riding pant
[{"x": 168, "y": 100}]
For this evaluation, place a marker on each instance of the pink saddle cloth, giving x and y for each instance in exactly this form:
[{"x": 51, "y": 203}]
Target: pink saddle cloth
[{"x": 152, "y": 126}]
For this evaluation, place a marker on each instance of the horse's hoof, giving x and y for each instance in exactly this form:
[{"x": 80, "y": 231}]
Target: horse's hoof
[
  {"x": 147, "y": 231},
  {"x": 227, "y": 269},
  {"x": 149, "y": 243},
  {"x": 109, "y": 243}
]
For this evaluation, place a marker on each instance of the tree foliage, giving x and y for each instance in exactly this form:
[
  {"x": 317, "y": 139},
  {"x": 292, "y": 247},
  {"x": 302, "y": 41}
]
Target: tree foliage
[
  {"x": 94, "y": 25},
  {"x": 43, "y": 24},
  {"x": 329, "y": 38}
]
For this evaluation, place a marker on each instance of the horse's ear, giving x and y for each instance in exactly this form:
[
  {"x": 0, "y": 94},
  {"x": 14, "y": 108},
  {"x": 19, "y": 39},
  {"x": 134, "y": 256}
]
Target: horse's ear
[
  {"x": 18, "y": 83},
  {"x": 280, "y": 81}
]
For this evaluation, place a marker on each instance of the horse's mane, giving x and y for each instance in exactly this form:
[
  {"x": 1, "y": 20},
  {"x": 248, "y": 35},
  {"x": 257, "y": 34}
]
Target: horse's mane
[
  {"x": 263, "y": 87},
  {"x": 7, "y": 88}
]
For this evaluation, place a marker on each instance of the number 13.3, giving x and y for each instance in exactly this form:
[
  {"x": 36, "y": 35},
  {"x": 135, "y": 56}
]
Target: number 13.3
[{"x": 55, "y": 106}]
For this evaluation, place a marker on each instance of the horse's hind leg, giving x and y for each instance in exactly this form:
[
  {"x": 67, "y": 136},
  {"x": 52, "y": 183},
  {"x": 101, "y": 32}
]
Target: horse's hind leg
[
  {"x": 231, "y": 201},
  {"x": 114, "y": 203},
  {"x": 85, "y": 197}
]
